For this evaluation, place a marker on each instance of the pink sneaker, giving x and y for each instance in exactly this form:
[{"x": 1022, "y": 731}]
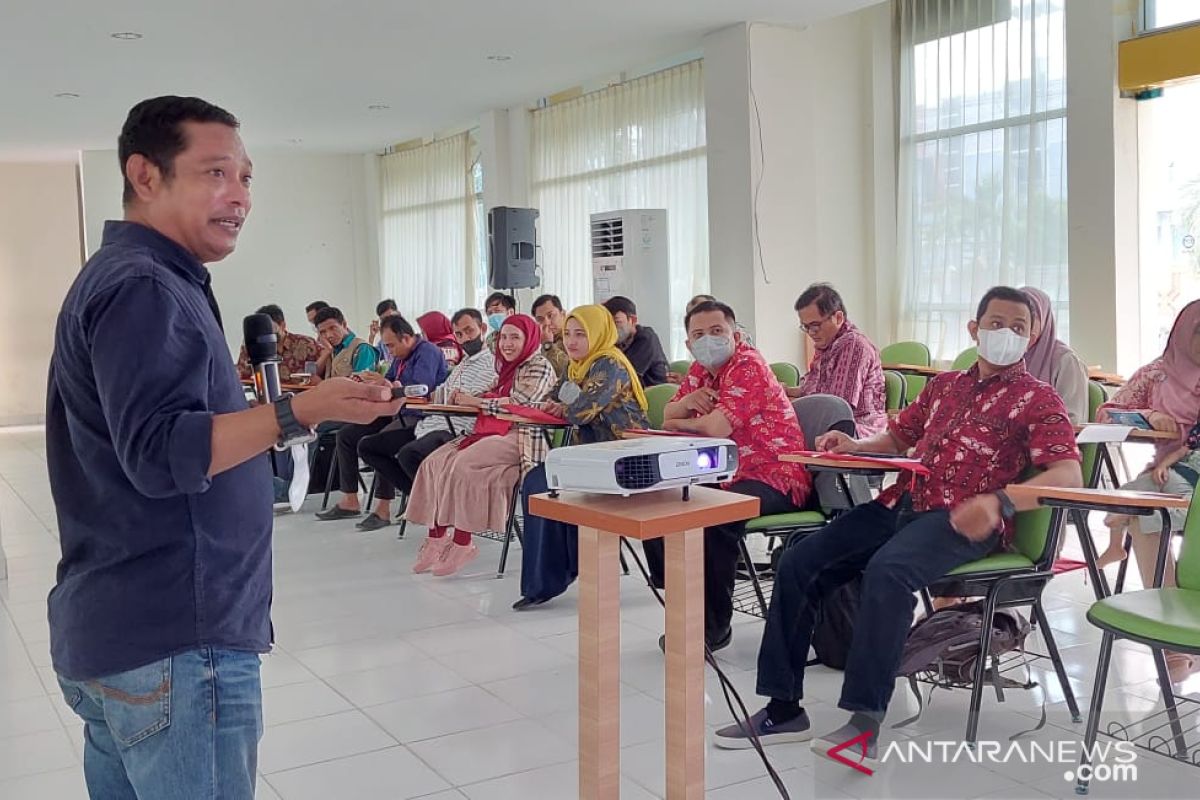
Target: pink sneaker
[
  {"x": 454, "y": 558},
  {"x": 432, "y": 552}
]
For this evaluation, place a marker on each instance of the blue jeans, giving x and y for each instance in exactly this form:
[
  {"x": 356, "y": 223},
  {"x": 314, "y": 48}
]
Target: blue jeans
[
  {"x": 898, "y": 554},
  {"x": 184, "y": 727}
]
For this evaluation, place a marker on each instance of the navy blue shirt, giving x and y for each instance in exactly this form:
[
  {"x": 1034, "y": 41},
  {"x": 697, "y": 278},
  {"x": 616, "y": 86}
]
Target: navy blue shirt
[
  {"x": 425, "y": 365},
  {"x": 157, "y": 558}
]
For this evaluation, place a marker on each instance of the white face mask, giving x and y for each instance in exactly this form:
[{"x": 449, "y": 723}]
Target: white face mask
[
  {"x": 712, "y": 351},
  {"x": 1002, "y": 347}
]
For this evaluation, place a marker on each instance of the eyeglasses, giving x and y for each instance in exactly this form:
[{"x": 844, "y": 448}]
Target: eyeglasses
[{"x": 813, "y": 327}]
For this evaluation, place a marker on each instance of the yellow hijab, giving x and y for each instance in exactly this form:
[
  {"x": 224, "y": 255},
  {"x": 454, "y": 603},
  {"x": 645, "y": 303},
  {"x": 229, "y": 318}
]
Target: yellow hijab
[{"x": 602, "y": 341}]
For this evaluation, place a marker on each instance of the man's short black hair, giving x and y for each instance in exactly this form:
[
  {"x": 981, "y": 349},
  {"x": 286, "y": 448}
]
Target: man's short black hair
[
  {"x": 328, "y": 313},
  {"x": 825, "y": 296},
  {"x": 710, "y": 305},
  {"x": 154, "y": 129},
  {"x": 542, "y": 299},
  {"x": 397, "y": 325},
  {"x": 473, "y": 313},
  {"x": 620, "y": 305},
  {"x": 385, "y": 306},
  {"x": 506, "y": 300},
  {"x": 274, "y": 312},
  {"x": 1005, "y": 293},
  {"x": 315, "y": 305}
]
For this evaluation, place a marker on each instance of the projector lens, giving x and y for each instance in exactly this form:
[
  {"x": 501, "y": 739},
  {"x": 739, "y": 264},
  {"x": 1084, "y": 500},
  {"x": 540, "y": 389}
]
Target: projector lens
[{"x": 706, "y": 458}]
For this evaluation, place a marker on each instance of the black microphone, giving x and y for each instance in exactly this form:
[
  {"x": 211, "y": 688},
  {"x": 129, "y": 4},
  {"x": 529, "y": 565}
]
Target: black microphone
[{"x": 262, "y": 347}]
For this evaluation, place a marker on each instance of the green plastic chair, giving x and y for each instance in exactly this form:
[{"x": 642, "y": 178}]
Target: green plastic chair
[
  {"x": 680, "y": 367},
  {"x": 1008, "y": 580},
  {"x": 965, "y": 359},
  {"x": 894, "y": 390},
  {"x": 914, "y": 354},
  {"x": 1160, "y": 618},
  {"x": 787, "y": 374},
  {"x": 1091, "y": 452},
  {"x": 657, "y": 398}
]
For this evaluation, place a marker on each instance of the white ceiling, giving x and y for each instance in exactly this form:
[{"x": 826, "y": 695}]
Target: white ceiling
[{"x": 307, "y": 69}]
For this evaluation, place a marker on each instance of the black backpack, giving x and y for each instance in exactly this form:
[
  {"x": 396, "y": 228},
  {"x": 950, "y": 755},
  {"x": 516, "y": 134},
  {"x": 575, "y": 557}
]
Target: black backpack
[{"x": 834, "y": 629}]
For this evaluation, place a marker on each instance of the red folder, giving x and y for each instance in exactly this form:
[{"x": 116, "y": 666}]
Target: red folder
[{"x": 901, "y": 463}]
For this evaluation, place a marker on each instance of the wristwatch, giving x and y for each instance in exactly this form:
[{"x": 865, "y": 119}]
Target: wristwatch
[
  {"x": 1007, "y": 509},
  {"x": 291, "y": 432}
]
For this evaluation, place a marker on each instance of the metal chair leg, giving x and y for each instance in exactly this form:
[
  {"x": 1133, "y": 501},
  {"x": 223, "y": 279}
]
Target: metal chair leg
[
  {"x": 1168, "y": 695},
  {"x": 509, "y": 527},
  {"x": 1093, "y": 723},
  {"x": 371, "y": 491},
  {"x": 403, "y": 509},
  {"x": 927, "y": 601},
  {"x": 981, "y": 664},
  {"x": 752, "y": 571},
  {"x": 1039, "y": 614},
  {"x": 333, "y": 470},
  {"x": 624, "y": 563}
]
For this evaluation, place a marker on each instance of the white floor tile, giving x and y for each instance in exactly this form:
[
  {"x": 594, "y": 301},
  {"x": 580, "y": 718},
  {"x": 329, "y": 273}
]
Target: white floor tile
[
  {"x": 63, "y": 784},
  {"x": 396, "y": 682},
  {"x": 298, "y": 701},
  {"x": 21, "y": 717},
  {"x": 560, "y": 780},
  {"x": 442, "y": 714},
  {"x": 391, "y": 773},
  {"x": 34, "y": 753},
  {"x": 476, "y": 756},
  {"x": 506, "y": 660},
  {"x": 337, "y": 659},
  {"x": 312, "y": 741}
]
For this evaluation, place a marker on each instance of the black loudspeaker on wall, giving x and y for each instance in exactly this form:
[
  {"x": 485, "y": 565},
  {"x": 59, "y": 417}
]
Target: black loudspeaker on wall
[{"x": 512, "y": 247}]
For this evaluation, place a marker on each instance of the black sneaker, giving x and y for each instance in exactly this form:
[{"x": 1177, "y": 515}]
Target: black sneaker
[
  {"x": 720, "y": 644},
  {"x": 867, "y": 757},
  {"x": 735, "y": 737},
  {"x": 373, "y": 522}
]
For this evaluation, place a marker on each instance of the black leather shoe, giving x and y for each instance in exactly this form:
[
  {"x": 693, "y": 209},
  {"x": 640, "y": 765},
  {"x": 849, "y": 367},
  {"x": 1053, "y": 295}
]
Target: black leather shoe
[
  {"x": 713, "y": 646},
  {"x": 527, "y": 602}
]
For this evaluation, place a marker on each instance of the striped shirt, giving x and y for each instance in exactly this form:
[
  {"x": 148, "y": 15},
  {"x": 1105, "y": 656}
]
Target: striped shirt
[
  {"x": 475, "y": 375},
  {"x": 535, "y": 381}
]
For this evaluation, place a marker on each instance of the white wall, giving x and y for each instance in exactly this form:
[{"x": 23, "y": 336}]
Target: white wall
[
  {"x": 312, "y": 235},
  {"x": 816, "y": 208},
  {"x": 40, "y": 254}
]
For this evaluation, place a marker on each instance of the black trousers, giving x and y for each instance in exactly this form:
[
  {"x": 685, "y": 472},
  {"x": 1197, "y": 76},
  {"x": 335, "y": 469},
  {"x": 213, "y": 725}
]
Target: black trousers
[
  {"x": 721, "y": 556},
  {"x": 395, "y": 453},
  {"x": 348, "y": 437}
]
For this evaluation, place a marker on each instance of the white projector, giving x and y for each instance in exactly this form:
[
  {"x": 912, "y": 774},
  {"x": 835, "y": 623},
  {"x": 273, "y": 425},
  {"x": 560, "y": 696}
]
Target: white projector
[{"x": 644, "y": 464}]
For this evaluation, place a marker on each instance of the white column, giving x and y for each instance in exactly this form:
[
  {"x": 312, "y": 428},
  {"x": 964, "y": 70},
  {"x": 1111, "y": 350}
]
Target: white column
[{"x": 1102, "y": 213}]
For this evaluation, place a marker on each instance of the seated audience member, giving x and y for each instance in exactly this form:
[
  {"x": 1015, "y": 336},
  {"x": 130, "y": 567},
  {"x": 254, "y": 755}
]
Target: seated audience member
[
  {"x": 345, "y": 353},
  {"x": 437, "y": 329},
  {"x": 607, "y": 400},
  {"x": 396, "y": 452},
  {"x": 383, "y": 310},
  {"x": 846, "y": 364},
  {"x": 548, "y": 311},
  {"x": 311, "y": 310},
  {"x": 467, "y": 484},
  {"x": 1053, "y": 362},
  {"x": 294, "y": 350},
  {"x": 498, "y": 307},
  {"x": 708, "y": 298},
  {"x": 978, "y": 431},
  {"x": 415, "y": 362},
  {"x": 639, "y": 343},
  {"x": 730, "y": 392},
  {"x": 1165, "y": 392}
]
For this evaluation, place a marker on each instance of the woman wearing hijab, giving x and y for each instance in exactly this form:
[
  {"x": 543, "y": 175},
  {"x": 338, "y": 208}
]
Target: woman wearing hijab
[
  {"x": 602, "y": 398},
  {"x": 467, "y": 483},
  {"x": 436, "y": 328},
  {"x": 1051, "y": 361},
  {"x": 1167, "y": 392}
]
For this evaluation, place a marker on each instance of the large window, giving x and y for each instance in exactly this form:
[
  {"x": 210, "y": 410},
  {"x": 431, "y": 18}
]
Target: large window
[
  {"x": 640, "y": 144},
  {"x": 1166, "y": 13},
  {"x": 430, "y": 206},
  {"x": 983, "y": 189}
]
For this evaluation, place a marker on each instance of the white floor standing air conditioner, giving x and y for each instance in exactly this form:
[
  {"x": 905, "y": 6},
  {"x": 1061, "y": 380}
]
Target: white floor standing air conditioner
[{"x": 629, "y": 258}]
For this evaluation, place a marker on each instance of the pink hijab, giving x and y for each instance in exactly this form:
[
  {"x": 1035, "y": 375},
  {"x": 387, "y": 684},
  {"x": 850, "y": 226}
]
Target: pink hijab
[
  {"x": 1043, "y": 356},
  {"x": 1179, "y": 394}
]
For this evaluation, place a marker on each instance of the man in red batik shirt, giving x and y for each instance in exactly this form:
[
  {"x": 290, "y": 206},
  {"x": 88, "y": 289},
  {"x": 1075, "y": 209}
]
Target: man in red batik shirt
[{"x": 977, "y": 431}]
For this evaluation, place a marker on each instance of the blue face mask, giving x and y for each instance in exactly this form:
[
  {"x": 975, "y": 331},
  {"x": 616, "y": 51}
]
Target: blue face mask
[
  {"x": 712, "y": 351},
  {"x": 496, "y": 320}
]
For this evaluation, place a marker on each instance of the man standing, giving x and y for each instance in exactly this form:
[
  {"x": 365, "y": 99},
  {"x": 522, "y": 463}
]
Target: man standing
[
  {"x": 295, "y": 351},
  {"x": 847, "y": 363},
  {"x": 639, "y": 343},
  {"x": 160, "y": 478},
  {"x": 548, "y": 311}
]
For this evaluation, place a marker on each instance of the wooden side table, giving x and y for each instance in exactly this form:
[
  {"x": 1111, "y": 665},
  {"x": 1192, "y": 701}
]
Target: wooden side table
[{"x": 602, "y": 521}]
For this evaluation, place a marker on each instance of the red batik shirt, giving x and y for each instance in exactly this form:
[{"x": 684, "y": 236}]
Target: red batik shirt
[
  {"x": 979, "y": 436},
  {"x": 764, "y": 422}
]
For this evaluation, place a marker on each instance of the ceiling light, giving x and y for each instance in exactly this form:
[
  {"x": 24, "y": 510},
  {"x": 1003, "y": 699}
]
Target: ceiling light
[
  {"x": 67, "y": 95},
  {"x": 499, "y": 58},
  {"x": 127, "y": 36},
  {"x": 378, "y": 107}
]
